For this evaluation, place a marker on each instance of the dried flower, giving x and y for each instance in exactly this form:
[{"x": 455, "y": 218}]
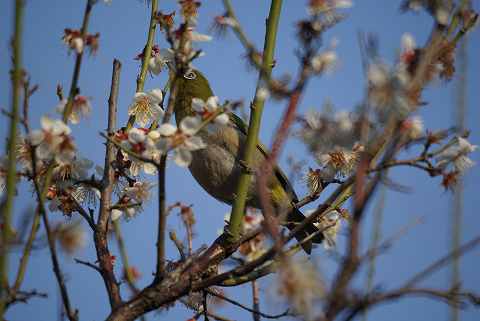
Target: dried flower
[
  {"x": 300, "y": 284},
  {"x": 71, "y": 237}
]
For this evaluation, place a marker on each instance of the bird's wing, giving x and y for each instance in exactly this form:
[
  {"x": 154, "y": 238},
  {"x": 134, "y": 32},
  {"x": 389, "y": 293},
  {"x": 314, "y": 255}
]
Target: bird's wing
[{"x": 279, "y": 174}]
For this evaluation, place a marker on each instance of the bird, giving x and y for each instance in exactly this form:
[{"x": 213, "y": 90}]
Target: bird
[{"x": 217, "y": 167}]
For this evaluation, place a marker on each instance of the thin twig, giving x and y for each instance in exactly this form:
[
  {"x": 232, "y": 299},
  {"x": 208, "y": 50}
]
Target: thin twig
[
  {"x": 123, "y": 253},
  {"x": 11, "y": 181},
  {"x": 100, "y": 234},
  {"x": 238, "y": 304},
  {"x": 78, "y": 62},
  {"x": 90, "y": 265}
]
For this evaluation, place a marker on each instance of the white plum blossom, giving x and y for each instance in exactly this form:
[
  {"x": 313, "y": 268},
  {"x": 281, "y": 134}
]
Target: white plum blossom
[
  {"x": 181, "y": 140},
  {"x": 140, "y": 191},
  {"x": 53, "y": 140},
  {"x": 413, "y": 127},
  {"x": 324, "y": 61},
  {"x": 146, "y": 106},
  {"x": 226, "y": 21},
  {"x": 316, "y": 7},
  {"x": 192, "y": 35},
  {"x": 408, "y": 43},
  {"x": 455, "y": 153},
  {"x": 378, "y": 75},
  {"x": 76, "y": 169},
  {"x": 141, "y": 141},
  {"x": 206, "y": 109},
  {"x": 81, "y": 108}
]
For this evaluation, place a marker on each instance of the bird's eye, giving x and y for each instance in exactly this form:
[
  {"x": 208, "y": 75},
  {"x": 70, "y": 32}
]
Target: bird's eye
[{"x": 190, "y": 75}]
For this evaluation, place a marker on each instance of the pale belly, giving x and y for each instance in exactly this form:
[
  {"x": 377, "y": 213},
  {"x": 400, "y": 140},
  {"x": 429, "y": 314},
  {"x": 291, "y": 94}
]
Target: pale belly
[{"x": 217, "y": 170}]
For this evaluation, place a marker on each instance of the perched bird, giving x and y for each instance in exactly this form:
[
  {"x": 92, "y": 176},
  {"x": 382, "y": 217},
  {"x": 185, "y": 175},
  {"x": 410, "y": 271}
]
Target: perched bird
[{"x": 217, "y": 167}]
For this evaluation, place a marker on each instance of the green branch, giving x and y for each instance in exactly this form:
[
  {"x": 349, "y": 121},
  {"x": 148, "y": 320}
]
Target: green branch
[
  {"x": 147, "y": 53},
  {"x": 238, "y": 208},
  {"x": 11, "y": 151}
]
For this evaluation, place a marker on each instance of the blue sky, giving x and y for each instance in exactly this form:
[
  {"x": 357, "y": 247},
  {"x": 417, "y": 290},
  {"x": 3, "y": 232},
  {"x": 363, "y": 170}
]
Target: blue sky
[{"x": 123, "y": 26}]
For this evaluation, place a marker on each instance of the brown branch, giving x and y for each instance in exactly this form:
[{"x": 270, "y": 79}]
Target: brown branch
[
  {"x": 100, "y": 234},
  {"x": 452, "y": 297},
  {"x": 255, "y": 312},
  {"x": 24, "y": 296},
  {"x": 255, "y": 301},
  {"x": 71, "y": 314},
  {"x": 90, "y": 265}
]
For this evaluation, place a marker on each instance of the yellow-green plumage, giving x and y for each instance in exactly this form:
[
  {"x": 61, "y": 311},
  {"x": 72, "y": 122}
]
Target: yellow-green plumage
[{"x": 216, "y": 167}]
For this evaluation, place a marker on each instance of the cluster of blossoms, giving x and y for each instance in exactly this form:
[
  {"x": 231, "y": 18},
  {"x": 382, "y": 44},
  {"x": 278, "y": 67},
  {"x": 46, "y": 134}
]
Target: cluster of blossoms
[
  {"x": 332, "y": 140},
  {"x": 182, "y": 39},
  {"x": 152, "y": 143},
  {"x": 452, "y": 159},
  {"x": 53, "y": 143},
  {"x": 75, "y": 41},
  {"x": 159, "y": 59}
]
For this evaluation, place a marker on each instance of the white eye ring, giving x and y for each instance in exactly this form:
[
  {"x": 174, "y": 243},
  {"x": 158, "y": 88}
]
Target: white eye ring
[{"x": 190, "y": 75}]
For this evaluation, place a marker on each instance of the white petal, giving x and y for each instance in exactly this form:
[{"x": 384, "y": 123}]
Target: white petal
[
  {"x": 194, "y": 143},
  {"x": 130, "y": 212},
  {"x": 154, "y": 134},
  {"x": 36, "y": 137},
  {"x": 46, "y": 123},
  {"x": 189, "y": 125},
  {"x": 61, "y": 106},
  {"x": 408, "y": 42},
  {"x": 195, "y": 36},
  {"x": 167, "y": 129},
  {"x": 136, "y": 135},
  {"x": 222, "y": 119},
  {"x": 155, "y": 67},
  {"x": 198, "y": 104},
  {"x": 77, "y": 44},
  {"x": 157, "y": 95},
  {"x": 263, "y": 93},
  {"x": 212, "y": 103},
  {"x": 149, "y": 169},
  {"x": 115, "y": 214},
  {"x": 182, "y": 157}
]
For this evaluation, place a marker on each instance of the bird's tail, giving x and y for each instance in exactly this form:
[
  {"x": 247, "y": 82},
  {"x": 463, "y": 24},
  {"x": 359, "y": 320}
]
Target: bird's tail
[{"x": 295, "y": 217}]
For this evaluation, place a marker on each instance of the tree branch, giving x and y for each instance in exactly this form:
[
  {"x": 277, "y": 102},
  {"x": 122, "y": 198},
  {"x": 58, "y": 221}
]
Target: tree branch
[{"x": 100, "y": 234}]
